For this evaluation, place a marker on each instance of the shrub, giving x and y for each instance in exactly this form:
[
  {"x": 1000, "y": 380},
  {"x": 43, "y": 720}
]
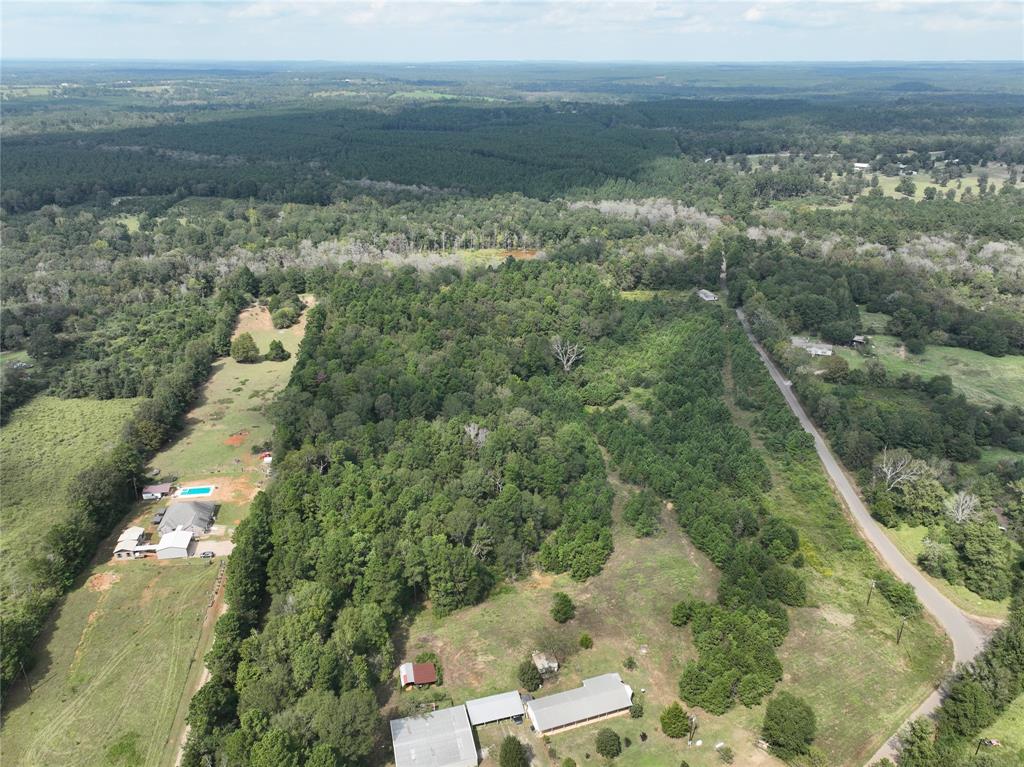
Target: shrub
[
  {"x": 629, "y": 663},
  {"x": 284, "y": 317},
  {"x": 529, "y": 676},
  {"x": 726, "y": 755},
  {"x": 586, "y": 642},
  {"x": 562, "y": 608},
  {"x": 789, "y": 725},
  {"x": 636, "y": 711},
  {"x": 567, "y": 762},
  {"x": 674, "y": 722},
  {"x": 512, "y": 753},
  {"x": 244, "y": 350},
  {"x": 608, "y": 743},
  {"x": 682, "y": 613},
  {"x": 277, "y": 352}
]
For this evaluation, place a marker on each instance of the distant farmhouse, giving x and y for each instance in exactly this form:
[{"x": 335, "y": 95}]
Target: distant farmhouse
[
  {"x": 814, "y": 348},
  {"x": 194, "y": 516},
  {"x": 441, "y": 738},
  {"x": 706, "y": 295},
  {"x": 599, "y": 697}
]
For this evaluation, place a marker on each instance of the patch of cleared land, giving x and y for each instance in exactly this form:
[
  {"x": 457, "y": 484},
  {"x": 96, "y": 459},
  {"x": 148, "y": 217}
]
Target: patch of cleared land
[
  {"x": 982, "y": 379},
  {"x": 626, "y": 611},
  {"x": 44, "y": 445},
  {"x": 114, "y": 667},
  {"x": 229, "y": 418},
  {"x": 841, "y": 654},
  {"x": 910, "y": 542}
]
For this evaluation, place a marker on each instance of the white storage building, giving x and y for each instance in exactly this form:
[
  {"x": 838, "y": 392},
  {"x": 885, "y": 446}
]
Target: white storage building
[{"x": 441, "y": 738}]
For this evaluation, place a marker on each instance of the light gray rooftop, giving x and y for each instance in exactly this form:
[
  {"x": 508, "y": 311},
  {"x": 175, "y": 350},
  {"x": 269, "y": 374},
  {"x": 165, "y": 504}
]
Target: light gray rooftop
[
  {"x": 493, "y": 708},
  {"x": 439, "y": 739},
  {"x": 197, "y": 514},
  {"x": 598, "y": 696}
]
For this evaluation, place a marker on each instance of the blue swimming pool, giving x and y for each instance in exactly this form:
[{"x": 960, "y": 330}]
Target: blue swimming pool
[{"x": 193, "y": 491}]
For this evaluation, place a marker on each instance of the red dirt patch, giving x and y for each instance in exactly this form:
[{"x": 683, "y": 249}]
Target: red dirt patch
[
  {"x": 236, "y": 439},
  {"x": 102, "y": 581},
  {"x": 521, "y": 255}
]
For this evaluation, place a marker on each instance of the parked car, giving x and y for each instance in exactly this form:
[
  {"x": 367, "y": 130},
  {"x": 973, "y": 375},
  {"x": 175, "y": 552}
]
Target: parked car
[{"x": 207, "y": 555}]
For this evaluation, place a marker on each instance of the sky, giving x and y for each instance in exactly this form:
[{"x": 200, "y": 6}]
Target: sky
[{"x": 514, "y": 30}]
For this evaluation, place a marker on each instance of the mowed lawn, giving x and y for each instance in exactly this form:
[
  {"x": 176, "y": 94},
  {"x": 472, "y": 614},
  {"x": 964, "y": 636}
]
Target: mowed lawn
[
  {"x": 108, "y": 683},
  {"x": 982, "y": 379},
  {"x": 44, "y": 445},
  {"x": 229, "y": 418},
  {"x": 910, "y": 541}
]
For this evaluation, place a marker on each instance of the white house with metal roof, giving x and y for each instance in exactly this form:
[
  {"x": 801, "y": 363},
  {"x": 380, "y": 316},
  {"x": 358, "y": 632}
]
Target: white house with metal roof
[
  {"x": 441, "y": 738},
  {"x": 494, "y": 708},
  {"x": 599, "y": 697},
  {"x": 175, "y": 544}
]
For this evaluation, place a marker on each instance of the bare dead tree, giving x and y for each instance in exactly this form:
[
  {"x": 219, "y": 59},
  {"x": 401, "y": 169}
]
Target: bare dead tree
[
  {"x": 477, "y": 434},
  {"x": 566, "y": 353},
  {"x": 961, "y": 507},
  {"x": 898, "y": 467}
]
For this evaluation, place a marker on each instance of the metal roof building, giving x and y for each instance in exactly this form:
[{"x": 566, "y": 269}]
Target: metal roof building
[
  {"x": 196, "y": 516},
  {"x": 441, "y": 738},
  {"x": 494, "y": 708},
  {"x": 598, "y": 697}
]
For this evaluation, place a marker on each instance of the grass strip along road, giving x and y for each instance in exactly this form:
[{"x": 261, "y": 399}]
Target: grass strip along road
[{"x": 966, "y": 631}]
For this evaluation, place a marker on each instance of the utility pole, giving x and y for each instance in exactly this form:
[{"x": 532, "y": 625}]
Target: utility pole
[
  {"x": 899, "y": 634},
  {"x": 870, "y": 592}
]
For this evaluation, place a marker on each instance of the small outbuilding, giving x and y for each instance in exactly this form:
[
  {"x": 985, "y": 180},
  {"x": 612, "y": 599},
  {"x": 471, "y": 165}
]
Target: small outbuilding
[
  {"x": 194, "y": 516},
  {"x": 129, "y": 544},
  {"x": 706, "y": 295},
  {"x": 156, "y": 492},
  {"x": 176, "y": 544},
  {"x": 441, "y": 738},
  {"x": 418, "y": 674},
  {"x": 495, "y": 708},
  {"x": 860, "y": 340}
]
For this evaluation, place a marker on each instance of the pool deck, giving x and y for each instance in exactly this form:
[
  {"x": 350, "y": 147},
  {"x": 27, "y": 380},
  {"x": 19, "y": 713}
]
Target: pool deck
[{"x": 195, "y": 492}]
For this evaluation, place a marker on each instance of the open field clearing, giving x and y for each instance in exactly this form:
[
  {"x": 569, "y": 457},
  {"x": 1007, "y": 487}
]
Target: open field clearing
[
  {"x": 982, "y": 379},
  {"x": 229, "y": 418},
  {"x": 45, "y": 444},
  {"x": 910, "y": 541},
  {"x": 107, "y": 687},
  {"x": 841, "y": 654},
  {"x": 626, "y": 611}
]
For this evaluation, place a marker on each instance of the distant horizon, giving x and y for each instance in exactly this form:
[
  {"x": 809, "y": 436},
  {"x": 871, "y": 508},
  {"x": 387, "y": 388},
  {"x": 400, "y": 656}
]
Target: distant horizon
[
  {"x": 474, "y": 31},
  {"x": 581, "y": 62}
]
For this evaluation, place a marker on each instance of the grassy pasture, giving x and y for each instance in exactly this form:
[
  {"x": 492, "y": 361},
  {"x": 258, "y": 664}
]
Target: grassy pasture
[
  {"x": 625, "y": 610},
  {"x": 106, "y": 690},
  {"x": 229, "y": 418},
  {"x": 841, "y": 654},
  {"x": 982, "y": 379},
  {"x": 44, "y": 445},
  {"x": 910, "y": 542}
]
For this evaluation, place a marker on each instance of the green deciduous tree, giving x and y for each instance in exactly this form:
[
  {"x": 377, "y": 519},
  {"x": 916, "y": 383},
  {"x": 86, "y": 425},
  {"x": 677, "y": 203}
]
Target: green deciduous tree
[
  {"x": 243, "y": 349},
  {"x": 789, "y": 725},
  {"x": 608, "y": 743}
]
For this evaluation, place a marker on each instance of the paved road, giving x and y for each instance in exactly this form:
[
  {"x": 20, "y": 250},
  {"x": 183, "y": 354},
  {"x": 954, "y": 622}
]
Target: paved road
[{"x": 963, "y": 629}]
